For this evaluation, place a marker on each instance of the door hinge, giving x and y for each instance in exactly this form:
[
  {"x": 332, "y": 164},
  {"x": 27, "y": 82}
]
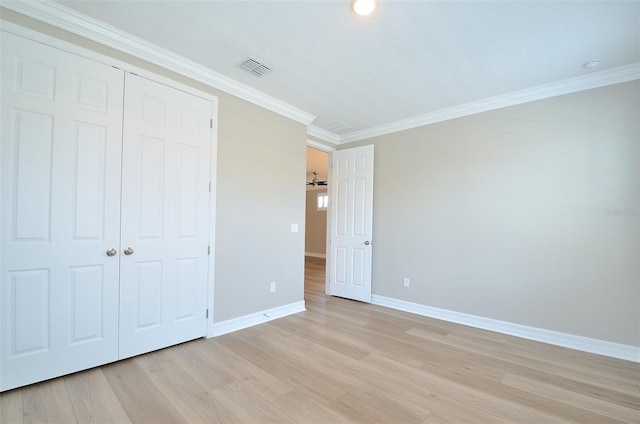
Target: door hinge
[
  {"x": 207, "y": 314},
  {"x": 208, "y": 250},
  {"x": 209, "y": 186},
  {"x": 211, "y": 123}
]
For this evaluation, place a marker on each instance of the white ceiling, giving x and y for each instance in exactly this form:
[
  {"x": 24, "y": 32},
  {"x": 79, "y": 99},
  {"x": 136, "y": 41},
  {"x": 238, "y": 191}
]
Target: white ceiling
[{"x": 410, "y": 58}]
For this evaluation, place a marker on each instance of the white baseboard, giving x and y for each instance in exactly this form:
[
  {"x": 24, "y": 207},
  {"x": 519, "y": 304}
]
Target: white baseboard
[
  {"x": 235, "y": 324},
  {"x": 315, "y": 255},
  {"x": 585, "y": 344}
]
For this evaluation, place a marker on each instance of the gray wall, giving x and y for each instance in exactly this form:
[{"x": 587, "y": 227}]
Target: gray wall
[
  {"x": 316, "y": 225},
  {"x": 511, "y": 214},
  {"x": 260, "y": 193}
]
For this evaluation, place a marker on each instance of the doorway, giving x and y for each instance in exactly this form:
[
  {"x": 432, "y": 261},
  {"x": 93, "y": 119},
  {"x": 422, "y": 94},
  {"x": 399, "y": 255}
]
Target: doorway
[{"x": 316, "y": 219}]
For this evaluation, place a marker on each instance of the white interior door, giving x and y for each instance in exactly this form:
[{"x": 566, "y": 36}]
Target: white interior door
[
  {"x": 59, "y": 212},
  {"x": 165, "y": 211},
  {"x": 351, "y": 223}
]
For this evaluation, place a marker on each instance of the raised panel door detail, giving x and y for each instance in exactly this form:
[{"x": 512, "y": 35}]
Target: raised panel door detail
[
  {"x": 359, "y": 207},
  {"x": 149, "y": 295},
  {"x": 151, "y": 174},
  {"x": 360, "y": 163},
  {"x": 90, "y": 189},
  {"x": 91, "y": 93},
  {"x": 341, "y": 207},
  {"x": 187, "y": 191},
  {"x": 358, "y": 263},
  {"x": 340, "y": 273},
  {"x": 30, "y": 316},
  {"x": 35, "y": 79},
  {"x": 86, "y": 303},
  {"x": 153, "y": 110},
  {"x": 341, "y": 166},
  {"x": 32, "y": 213},
  {"x": 189, "y": 120},
  {"x": 187, "y": 284}
]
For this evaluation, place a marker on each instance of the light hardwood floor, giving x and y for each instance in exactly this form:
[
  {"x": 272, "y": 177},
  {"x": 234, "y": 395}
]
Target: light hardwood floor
[{"x": 343, "y": 361}]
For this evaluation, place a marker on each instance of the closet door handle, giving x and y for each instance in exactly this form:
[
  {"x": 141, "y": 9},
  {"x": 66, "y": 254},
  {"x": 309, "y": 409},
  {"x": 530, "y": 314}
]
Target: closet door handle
[
  {"x": 128, "y": 251},
  {"x": 112, "y": 252}
]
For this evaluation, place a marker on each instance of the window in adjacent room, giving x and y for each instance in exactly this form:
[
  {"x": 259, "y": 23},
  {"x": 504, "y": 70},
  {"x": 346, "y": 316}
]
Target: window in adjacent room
[{"x": 323, "y": 201}]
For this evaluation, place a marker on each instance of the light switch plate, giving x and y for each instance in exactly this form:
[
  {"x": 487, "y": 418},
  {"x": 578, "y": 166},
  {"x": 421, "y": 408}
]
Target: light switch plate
[{"x": 294, "y": 228}]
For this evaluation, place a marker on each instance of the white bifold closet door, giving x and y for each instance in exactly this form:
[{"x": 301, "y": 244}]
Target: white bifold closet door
[
  {"x": 103, "y": 222},
  {"x": 60, "y": 212}
]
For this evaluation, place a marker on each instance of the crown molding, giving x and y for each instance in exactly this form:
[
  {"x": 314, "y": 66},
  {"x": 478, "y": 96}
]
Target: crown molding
[
  {"x": 69, "y": 20},
  {"x": 322, "y": 134},
  {"x": 604, "y": 78},
  {"x": 321, "y": 146}
]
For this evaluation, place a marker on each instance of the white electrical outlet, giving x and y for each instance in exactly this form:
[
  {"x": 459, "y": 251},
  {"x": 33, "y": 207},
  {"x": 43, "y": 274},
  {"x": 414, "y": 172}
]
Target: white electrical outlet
[
  {"x": 407, "y": 282},
  {"x": 272, "y": 287}
]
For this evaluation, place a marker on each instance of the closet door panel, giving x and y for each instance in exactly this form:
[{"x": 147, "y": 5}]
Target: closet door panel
[
  {"x": 165, "y": 195},
  {"x": 59, "y": 212}
]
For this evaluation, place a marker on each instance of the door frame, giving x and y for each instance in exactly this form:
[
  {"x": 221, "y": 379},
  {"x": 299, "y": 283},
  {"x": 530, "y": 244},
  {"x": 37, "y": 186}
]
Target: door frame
[
  {"x": 330, "y": 150},
  {"x": 12, "y": 28}
]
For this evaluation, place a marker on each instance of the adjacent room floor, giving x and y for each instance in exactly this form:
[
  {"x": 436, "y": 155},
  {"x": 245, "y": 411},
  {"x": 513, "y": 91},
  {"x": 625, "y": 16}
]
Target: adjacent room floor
[{"x": 343, "y": 361}]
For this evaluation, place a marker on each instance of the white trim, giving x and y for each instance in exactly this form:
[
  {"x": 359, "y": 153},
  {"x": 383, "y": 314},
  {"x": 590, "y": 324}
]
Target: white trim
[
  {"x": 322, "y": 134},
  {"x": 604, "y": 78},
  {"x": 585, "y": 344},
  {"x": 320, "y": 146},
  {"x": 20, "y": 31},
  {"x": 235, "y": 324},
  {"x": 69, "y": 20},
  {"x": 315, "y": 255},
  {"x": 212, "y": 217}
]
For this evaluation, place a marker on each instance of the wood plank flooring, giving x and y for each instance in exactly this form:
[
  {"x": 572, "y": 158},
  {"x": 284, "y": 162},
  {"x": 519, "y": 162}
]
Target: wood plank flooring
[{"x": 342, "y": 361}]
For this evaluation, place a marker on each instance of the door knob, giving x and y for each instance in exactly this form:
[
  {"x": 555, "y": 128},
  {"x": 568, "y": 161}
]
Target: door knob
[
  {"x": 111, "y": 252},
  {"x": 128, "y": 251},
  {"x": 367, "y": 243}
]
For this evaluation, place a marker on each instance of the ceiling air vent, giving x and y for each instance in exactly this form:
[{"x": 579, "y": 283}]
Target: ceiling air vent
[
  {"x": 338, "y": 127},
  {"x": 255, "y": 67}
]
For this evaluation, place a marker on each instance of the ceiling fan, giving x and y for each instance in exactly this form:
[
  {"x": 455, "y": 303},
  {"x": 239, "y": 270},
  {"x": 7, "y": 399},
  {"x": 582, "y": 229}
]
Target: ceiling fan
[{"x": 315, "y": 182}]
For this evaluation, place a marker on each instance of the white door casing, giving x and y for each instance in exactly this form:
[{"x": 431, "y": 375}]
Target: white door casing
[
  {"x": 165, "y": 216},
  {"x": 351, "y": 223},
  {"x": 59, "y": 210}
]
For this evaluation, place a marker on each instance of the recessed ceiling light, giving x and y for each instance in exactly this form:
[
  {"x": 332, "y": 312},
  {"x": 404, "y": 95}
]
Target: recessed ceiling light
[
  {"x": 593, "y": 63},
  {"x": 363, "y": 7}
]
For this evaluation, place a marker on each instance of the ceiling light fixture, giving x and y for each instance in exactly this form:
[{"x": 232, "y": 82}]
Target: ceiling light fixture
[{"x": 363, "y": 7}]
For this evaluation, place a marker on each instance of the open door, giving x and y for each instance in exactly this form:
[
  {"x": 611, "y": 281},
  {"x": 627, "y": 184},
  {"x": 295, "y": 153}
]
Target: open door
[{"x": 351, "y": 223}]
